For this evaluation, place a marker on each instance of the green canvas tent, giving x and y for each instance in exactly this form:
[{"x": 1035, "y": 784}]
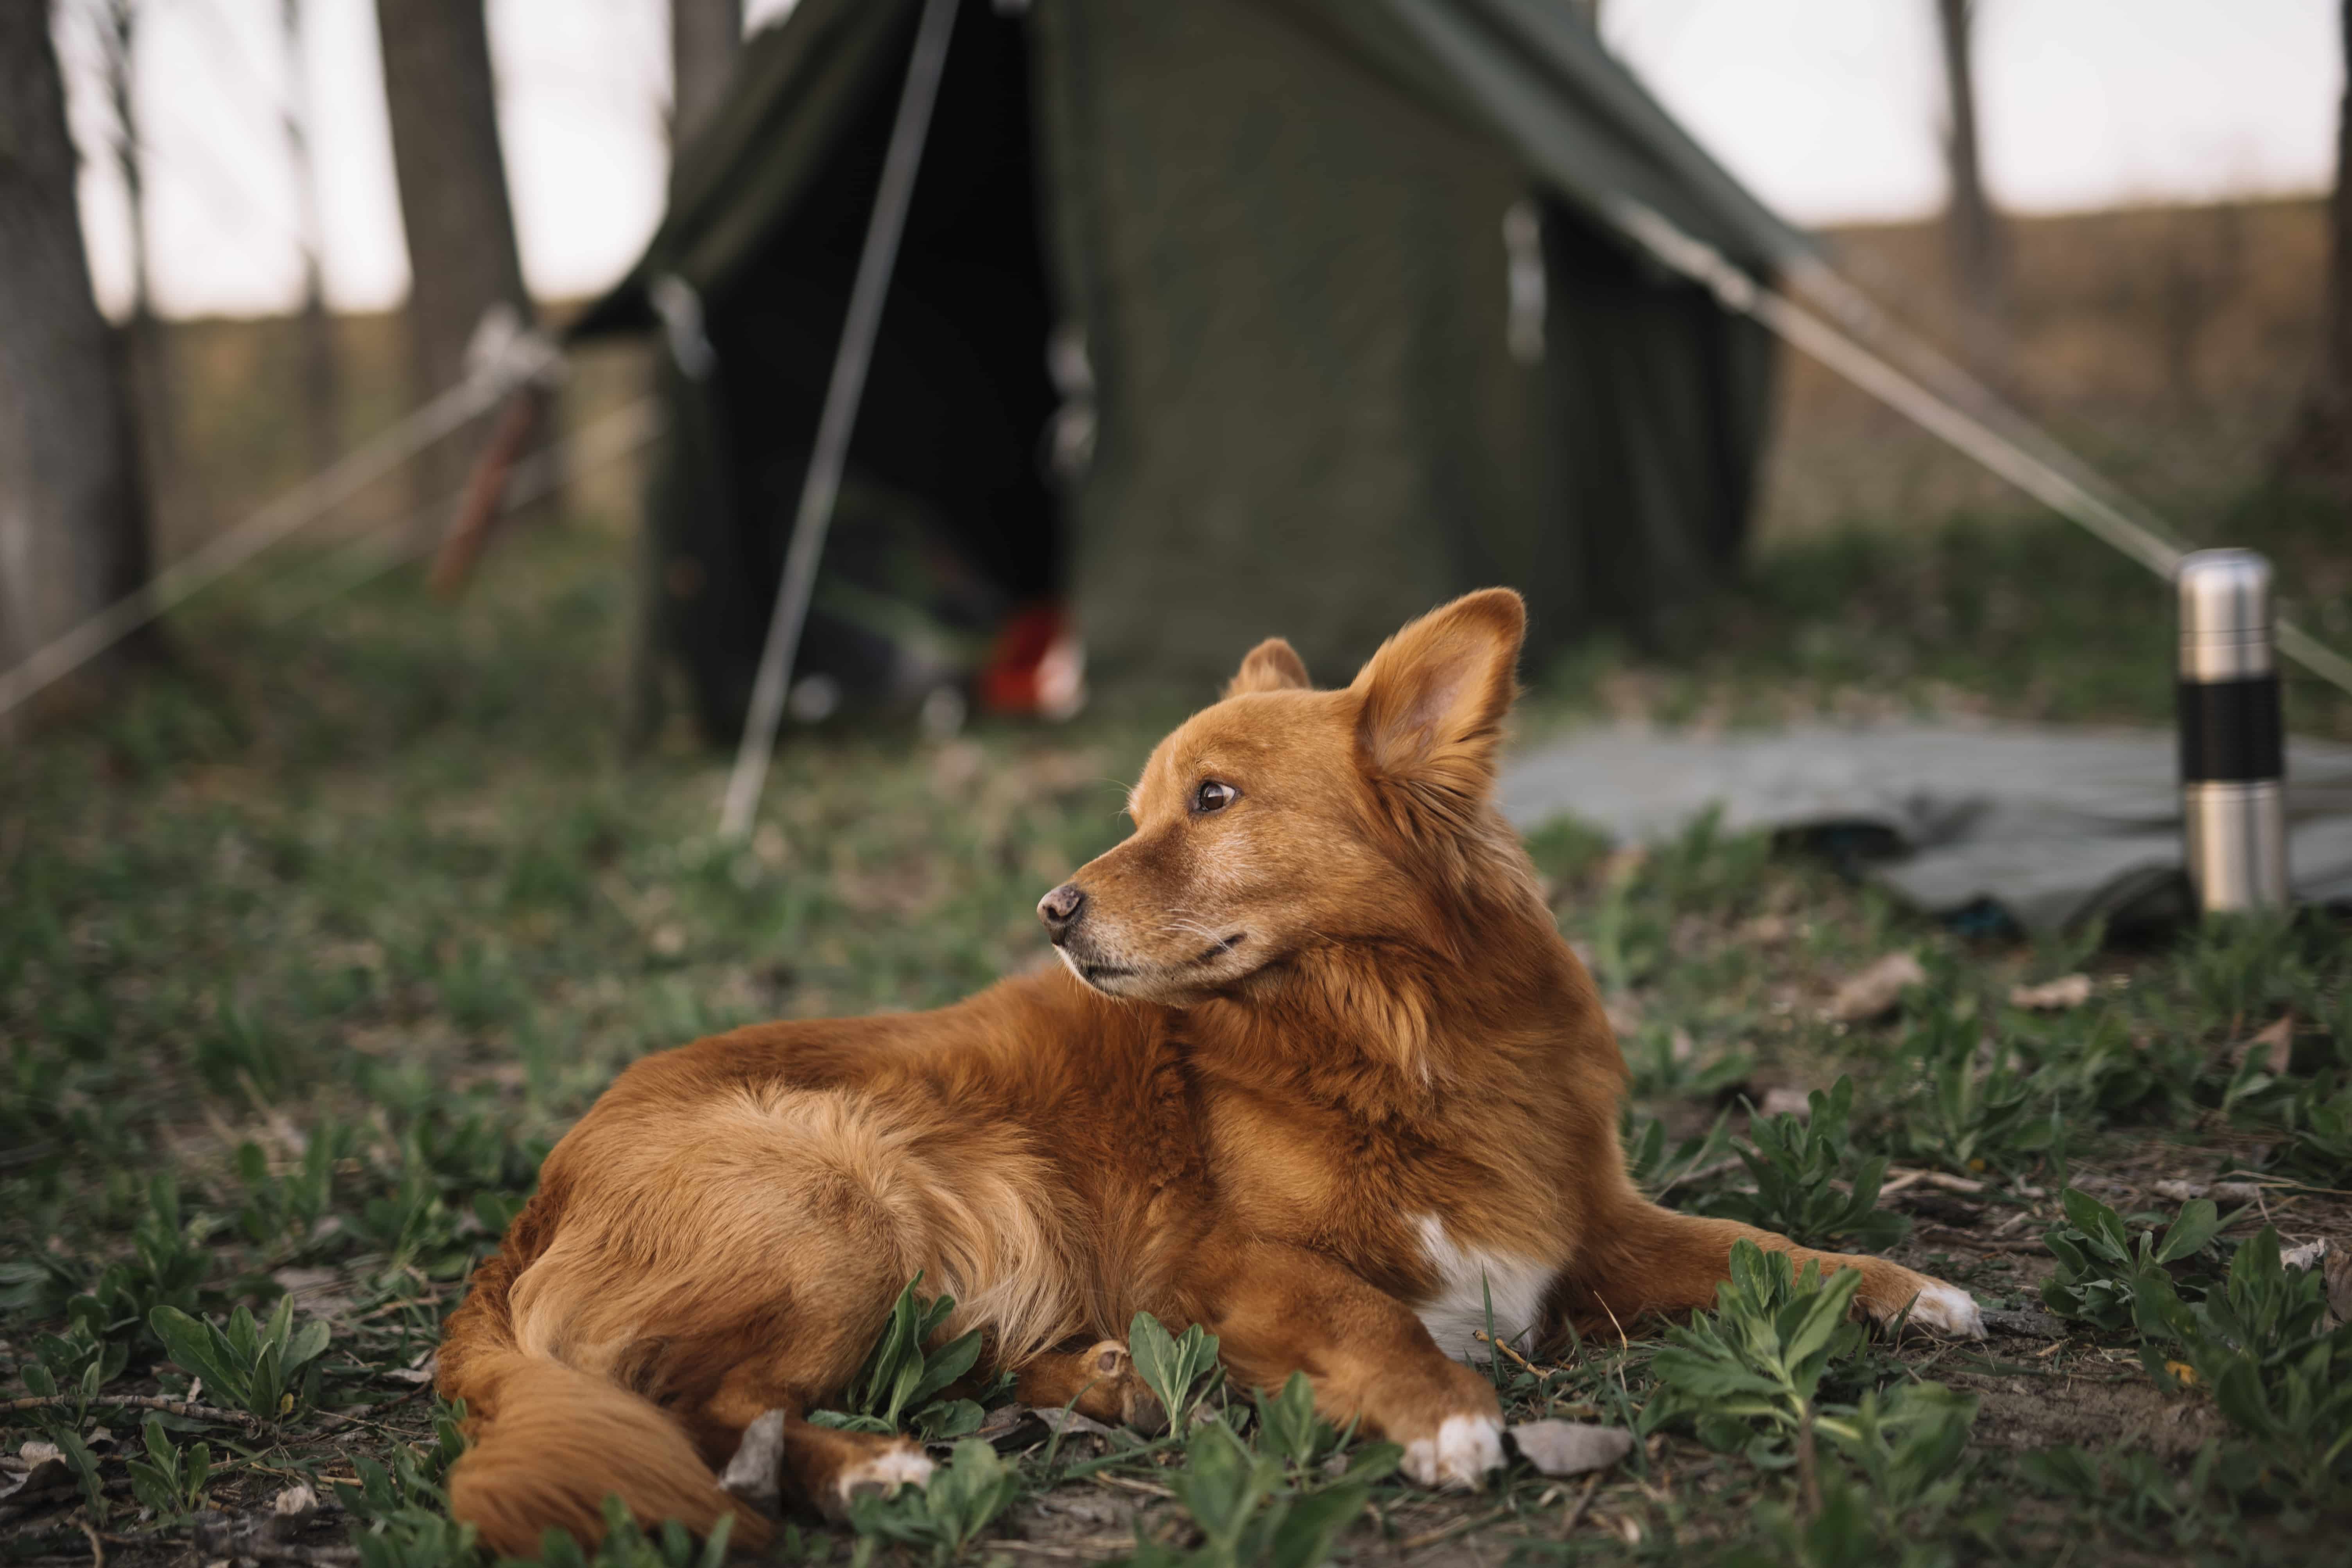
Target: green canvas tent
[{"x": 1340, "y": 325}]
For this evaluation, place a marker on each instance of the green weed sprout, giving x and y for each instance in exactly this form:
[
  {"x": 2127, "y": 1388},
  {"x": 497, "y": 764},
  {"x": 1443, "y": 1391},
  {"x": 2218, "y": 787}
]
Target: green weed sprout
[
  {"x": 903, "y": 1379},
  {"x": 2107, "y": 1277},
  {"x": 268, "y": 1371},
  {"x": 1173, "y": 1365},
  {"x": 1760, "y": 1356},
  {"x": 1795, "y": 1164},
  {"x": 963, "y": 1497}
]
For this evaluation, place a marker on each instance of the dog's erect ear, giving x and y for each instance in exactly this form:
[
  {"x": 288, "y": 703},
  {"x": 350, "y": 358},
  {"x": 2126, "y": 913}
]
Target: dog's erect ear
[
  {"x": 1435, "y": 694},
  {"x": 1272, "y": 666}
]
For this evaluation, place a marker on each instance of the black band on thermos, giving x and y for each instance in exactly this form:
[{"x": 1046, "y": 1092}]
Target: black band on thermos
[{"x": 2231, "y": 729}]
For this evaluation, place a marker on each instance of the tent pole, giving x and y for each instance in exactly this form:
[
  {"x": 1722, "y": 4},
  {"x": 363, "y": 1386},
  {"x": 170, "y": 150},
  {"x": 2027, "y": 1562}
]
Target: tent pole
[{"x": 822, "y": 484}]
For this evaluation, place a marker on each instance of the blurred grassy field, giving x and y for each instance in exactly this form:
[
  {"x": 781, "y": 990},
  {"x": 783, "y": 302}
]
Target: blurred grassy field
[{"x": 312, "y": 944}]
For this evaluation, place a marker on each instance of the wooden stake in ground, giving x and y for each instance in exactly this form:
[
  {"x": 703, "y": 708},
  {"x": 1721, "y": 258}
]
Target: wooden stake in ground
[{"x": 73, "y": 511}]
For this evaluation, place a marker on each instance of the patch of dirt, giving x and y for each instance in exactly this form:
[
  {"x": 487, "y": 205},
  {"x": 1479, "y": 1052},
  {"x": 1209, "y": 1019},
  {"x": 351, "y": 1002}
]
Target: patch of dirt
[{"x": 2089, "y": 1411}]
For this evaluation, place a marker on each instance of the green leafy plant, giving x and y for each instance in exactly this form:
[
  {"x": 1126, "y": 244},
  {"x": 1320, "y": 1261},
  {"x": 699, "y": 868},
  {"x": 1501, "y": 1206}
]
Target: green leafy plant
[
  {"x": 1251, "y": 1509},
  {"x": 2319, "y": 1128},
  {"x": 77, "y": 1364},
  {"x": 1665, "y": 1064},
  {"x": 169, "y": 1267},
  {"x": 1797, "y": 1164},
  {"x": 2106, "y": 1272},
  {"x": 1172, "y": 1367},
  {"x": 627, "y": 1544},
  {"x": 961, "y": 1498},
  {"x": 2139, "y": 1495},
  {"x": 400, "y": 1512},
  {"x": 1907, "y": 1443},
  {"x": 1653, "y": 1167},
  {"x": 283, "y": 1212},
  {"x": 1975, "y": 1108},
  {"x": 169, "y": 1480},
  {"x": 1848, "y": 1530},
  {"x": 1287, "y": 1424},
  {"x": 1758, "y": 1360},
  {"x": 2262, "y": 1342},
  {"x": 269, "y": 1371},
  {"x": 903, "y": 1378}
]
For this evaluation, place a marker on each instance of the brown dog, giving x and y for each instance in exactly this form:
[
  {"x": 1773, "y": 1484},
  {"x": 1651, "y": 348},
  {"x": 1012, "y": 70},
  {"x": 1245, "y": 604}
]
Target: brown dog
[{"x": 1321, "y": 1076}]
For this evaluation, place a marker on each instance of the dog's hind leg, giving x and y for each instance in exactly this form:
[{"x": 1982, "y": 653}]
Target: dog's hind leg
[
  {"x": 1099, "y": 1380},
  {"x": 779, "y": 1458},
  {"x": 1642, "y": 1259}
]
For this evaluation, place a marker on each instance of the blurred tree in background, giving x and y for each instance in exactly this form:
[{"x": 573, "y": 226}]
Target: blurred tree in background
[
  {"x": 73, "y": 510},
  {"x": 454, "y": 206},
  {"x": 2320, "y": 444}
]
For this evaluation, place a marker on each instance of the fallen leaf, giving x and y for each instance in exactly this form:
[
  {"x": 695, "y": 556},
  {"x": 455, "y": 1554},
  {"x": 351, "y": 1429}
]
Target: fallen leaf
[
  {"x": 1570, "y": 1447},
  {"x": 294, "y": 1502},
  {"x": 1008, "y": 1428},
  {"x": 2276, "y": 1043},
  {"x": 2335, "y": 1266},
  {"x": 1875, "y": 990},
  {"x": 47, "y": 1475},
  {"x": 1068, "y": 1422},
  {"x": 2053, "y": 995},
  {"x": 2307, "y": 1255},
  {"x": 752, "y": 1474}
]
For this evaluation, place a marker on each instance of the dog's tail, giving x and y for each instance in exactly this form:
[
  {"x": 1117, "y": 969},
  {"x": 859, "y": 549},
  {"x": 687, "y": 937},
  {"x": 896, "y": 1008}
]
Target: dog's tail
[{"x": 551, "y": 1442}]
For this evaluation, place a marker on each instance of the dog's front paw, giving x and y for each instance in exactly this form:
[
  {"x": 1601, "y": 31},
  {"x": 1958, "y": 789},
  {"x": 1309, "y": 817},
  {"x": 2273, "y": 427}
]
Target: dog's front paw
[
  {"x": 1939, "y": 1308},
  {"x": 1948, "y": 1311},
  {"x": 1457, "y": 1456}
]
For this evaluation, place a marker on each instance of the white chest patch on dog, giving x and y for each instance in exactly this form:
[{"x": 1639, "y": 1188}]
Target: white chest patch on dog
[{"x": 1469, "y": 1279}]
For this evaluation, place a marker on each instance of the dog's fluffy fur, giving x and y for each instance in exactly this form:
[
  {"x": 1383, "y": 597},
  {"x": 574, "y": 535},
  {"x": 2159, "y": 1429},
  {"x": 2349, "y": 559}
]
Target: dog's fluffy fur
[{"x": 1318, "y": 1073}]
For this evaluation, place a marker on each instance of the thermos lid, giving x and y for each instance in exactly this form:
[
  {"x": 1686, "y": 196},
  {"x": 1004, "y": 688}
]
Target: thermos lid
[{"x": 2225, "y": 614}]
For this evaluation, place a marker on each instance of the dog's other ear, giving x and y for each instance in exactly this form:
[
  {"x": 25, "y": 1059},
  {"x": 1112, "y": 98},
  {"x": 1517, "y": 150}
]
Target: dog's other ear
[
  {"x": 1272, "y": 666},
  {"x": 1435, "y": 694}
]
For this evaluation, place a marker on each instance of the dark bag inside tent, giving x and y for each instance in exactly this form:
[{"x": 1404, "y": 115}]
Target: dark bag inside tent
[{"x": 1336, "y": 330}]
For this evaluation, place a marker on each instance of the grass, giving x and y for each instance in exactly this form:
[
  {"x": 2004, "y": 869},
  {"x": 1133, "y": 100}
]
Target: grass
[{"x": 309, "y": 949}]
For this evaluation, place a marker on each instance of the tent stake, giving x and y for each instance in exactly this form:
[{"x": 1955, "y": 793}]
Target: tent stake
[{"x": 823, "y": 483}]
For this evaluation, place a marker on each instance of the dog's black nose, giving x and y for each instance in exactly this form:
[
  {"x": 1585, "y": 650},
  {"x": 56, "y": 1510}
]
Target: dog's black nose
[{"x": 1060, "y": 909}]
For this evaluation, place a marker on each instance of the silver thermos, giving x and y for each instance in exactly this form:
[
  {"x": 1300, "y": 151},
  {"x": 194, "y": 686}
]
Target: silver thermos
[{"x": 2233, "y": 740}]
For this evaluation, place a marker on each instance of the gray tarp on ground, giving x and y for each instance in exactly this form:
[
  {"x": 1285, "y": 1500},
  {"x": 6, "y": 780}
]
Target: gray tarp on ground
[{"x": 2052, "y": 825}]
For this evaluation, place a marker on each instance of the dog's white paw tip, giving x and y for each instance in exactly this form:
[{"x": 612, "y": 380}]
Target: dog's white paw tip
[
  {"x": 1458, "y": 1457},
  {"x": 1949, "y": 1311},
  {"x": 884, "y": 1473}
]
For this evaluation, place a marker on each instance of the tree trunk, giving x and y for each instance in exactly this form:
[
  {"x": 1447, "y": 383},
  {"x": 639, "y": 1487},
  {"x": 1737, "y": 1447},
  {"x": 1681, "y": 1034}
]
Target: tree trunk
[
  {"x": 1971, "y": 230},
  {"x": 2319, "y": 443},
  {"x": 453, "y": 206},
  {"x": 153, "y": 381},
  {"x": 323, "y": 387},
  {"x": 73, "y": 519},
  {"x": 704, "y": 36}
]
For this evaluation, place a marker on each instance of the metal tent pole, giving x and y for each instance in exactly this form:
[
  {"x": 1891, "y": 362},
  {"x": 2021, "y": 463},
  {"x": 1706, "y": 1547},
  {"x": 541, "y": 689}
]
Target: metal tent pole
[{"x": 822, "y": 483}]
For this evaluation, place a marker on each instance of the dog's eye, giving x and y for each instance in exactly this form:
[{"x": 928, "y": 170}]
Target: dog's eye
[{"x": 1213, "y": 797}]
